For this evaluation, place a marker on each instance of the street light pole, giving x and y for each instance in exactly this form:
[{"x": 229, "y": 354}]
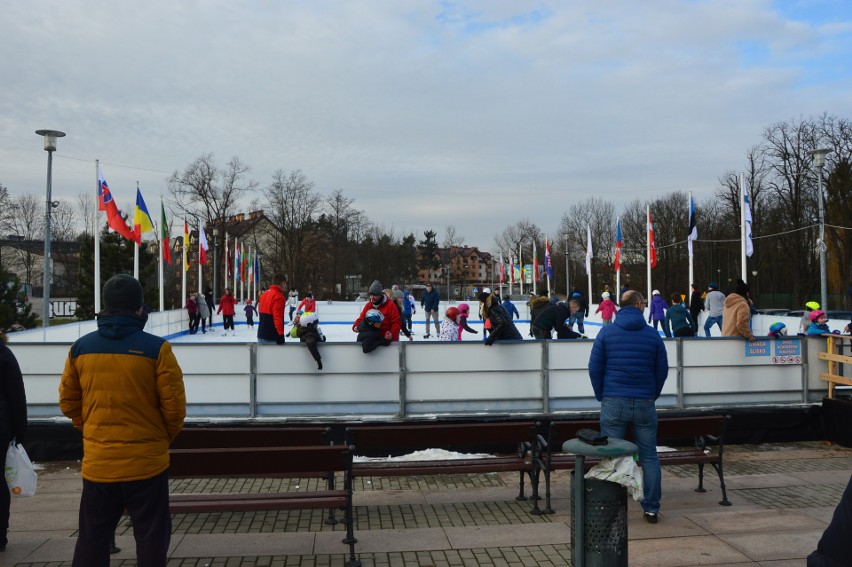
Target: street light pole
[
  {"x": 819, "y": 162},
  {"x": 50, "y": 147}
]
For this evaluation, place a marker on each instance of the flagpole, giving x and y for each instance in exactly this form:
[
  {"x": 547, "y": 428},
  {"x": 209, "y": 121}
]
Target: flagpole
[
  {"x": 743, "y": 228},
  {"x": 589, "y": 261},
  {"x": 535, "y": 269},
  {"x": 184, "y": 259},
  {"x": 648, "y": 251},
  {"x": 162, "y": 261},
  {"x": 236, "y": 258},
  {"x": 567, "y": 275},
  {"x": 547, "y": 250},
  {"x": 97, "y": 236},
  {"x": 521, "y": 266},
  {"x": 691, "y": 266},
  {"x": 199, "y": 256},
  {"x": 618, "y": 271}
]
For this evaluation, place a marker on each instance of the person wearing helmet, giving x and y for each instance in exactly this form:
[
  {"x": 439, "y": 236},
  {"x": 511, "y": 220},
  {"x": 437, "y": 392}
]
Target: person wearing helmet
[
  {"x": 464, "y": 315},
  {"x": 450, "y": 326},
  {"x": 657, "y": 310},
  {"x": 778, "y": 330},
  {"x": 607, "y": 308},
  {"x": 392, "y": 323},
  {"x": 806, "y": 319},
  {"x": 370, "y": 333},
  {"x": 736, "y": 317},
  {"x": 308, "y": 331},
  {"x": 819, "y": 323}
]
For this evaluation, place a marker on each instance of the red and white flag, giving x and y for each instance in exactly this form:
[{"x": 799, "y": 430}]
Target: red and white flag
[{"x": 652, "y": 246}]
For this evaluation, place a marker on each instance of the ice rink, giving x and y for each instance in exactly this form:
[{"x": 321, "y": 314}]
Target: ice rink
[{"x": 336, "y": 323}]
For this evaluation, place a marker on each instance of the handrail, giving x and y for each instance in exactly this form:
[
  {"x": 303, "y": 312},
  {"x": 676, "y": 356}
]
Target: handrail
[{"x": 834, "y": 358}]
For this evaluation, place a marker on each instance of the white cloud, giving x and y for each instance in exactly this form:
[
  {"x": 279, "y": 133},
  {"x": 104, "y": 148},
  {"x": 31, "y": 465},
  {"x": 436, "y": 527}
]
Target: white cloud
[{"x": 489, "y": 107}]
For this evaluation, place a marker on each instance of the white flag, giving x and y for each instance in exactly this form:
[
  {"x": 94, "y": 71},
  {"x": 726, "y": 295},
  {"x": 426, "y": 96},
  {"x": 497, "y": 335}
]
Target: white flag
[
  {"x": 749, "y": 246},
  {"x": 589, "y": 254}
]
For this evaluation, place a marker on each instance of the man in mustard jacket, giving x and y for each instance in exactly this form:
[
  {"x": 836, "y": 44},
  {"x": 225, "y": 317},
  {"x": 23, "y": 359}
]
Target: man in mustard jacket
[{"x": 123, "y": 388}]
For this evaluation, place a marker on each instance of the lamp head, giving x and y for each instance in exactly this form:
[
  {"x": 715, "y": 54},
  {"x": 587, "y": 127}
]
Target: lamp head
[
  {"x": 50, "y": 138},
  {"x": 819, "y": 156}
]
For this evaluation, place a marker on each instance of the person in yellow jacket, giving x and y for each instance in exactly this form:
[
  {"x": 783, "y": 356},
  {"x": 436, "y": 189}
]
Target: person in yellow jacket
[{"x": 123, "y": 388}]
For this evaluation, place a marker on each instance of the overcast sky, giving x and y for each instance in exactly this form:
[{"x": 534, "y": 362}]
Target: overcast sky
[{"x": 476, "y": 113}]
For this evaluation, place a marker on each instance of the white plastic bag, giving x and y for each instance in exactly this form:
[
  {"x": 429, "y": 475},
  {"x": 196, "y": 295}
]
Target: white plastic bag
[
  {"x": 621, "y": 470},
  {"x": 20, "y": 474}
]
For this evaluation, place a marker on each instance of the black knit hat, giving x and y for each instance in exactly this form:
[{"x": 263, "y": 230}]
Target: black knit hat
[
  {"x": 741, "y": 288},
  {"x": 122, "y": 292},
  {"x": 375, "y": 288}
]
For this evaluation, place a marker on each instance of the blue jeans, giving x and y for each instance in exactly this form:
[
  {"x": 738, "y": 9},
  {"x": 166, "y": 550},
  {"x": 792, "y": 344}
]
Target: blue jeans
[
  {"x": 578, "y": 318},
  {"x": 641, "y": 415},
  {"x": 708, "y": 324}
]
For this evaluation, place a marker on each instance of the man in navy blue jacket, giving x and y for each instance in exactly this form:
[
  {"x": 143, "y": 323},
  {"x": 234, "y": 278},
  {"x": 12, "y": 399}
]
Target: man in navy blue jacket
[
  {"x": 628, "y": 367},
  {"x": 430, "y": 303}
]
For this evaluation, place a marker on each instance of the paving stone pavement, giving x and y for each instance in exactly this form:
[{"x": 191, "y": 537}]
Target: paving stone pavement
[{"x": 783, "y": 496}]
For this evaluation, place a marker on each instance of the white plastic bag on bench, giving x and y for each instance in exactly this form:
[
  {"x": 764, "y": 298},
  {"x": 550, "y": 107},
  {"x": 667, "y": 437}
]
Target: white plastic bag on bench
[
  {"x": 20, "y": 475},
  {"x": 621, "y": 470}
]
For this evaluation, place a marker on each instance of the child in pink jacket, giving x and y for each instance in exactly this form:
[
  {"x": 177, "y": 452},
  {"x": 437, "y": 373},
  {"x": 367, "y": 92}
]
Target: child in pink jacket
[{"x": 606, "y": 308}]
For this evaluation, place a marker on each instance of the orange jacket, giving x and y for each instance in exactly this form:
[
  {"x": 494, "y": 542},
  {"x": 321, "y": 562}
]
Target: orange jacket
[{"x": 123, "y": 388}]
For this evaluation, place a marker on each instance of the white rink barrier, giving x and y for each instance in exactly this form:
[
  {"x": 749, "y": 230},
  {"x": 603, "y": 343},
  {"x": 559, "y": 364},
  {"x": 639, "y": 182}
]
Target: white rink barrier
[{"x": 419, "y": 379}]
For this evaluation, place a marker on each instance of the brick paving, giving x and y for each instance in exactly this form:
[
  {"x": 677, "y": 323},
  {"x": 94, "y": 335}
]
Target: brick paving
[{"x": 744, "y": 468}]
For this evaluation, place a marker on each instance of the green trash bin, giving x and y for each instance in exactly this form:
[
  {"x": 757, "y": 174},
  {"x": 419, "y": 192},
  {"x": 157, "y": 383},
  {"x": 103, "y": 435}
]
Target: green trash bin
[{"x": 598, "y": 508}]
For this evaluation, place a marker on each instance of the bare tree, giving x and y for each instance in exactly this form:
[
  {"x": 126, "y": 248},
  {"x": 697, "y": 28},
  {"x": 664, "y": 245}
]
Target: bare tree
[
  {"x": 87, "y": 204},
  {"x": 452, "y": 237},
  {"x": 27, "y": 223},
  {"x": 293, "y": 209},
  {"x": 202, "y": 190},
  {"x": 64, "y": 222}
]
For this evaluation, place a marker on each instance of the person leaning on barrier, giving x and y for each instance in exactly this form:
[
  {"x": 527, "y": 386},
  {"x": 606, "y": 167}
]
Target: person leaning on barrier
[
  {"x": 270, "y": 312},
  {"x": 502, "y": 327},
  {"x": 123, "y": 388},
  {"x": 678, "y": 322},
  {"x": 628, "y": 367},
  {"x": 736, "y": 317}
]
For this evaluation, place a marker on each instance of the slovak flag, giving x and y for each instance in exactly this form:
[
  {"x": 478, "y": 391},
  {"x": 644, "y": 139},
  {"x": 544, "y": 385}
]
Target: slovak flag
[
  {"x": 107, "y": 203},
  {"x": 618, "y": 244},
  {"x": 548, "y": 267},
  {"x": 652, "y": 246}
]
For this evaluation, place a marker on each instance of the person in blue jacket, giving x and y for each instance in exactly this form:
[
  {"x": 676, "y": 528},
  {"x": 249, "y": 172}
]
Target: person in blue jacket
[
  {"x": 511, "y": 309},
  {"x": 430, "y": 303},
  {"x": 628, "y": 368}
]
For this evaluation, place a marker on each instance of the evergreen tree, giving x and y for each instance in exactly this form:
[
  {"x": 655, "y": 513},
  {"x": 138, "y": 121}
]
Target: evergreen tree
[
  {"x": 116, "y": 258},
  {"x": 15, "y": 312}
]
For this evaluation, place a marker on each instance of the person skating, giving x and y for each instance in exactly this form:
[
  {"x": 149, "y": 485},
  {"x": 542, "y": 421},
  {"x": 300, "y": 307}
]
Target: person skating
[{"x": 430, "y": 302}]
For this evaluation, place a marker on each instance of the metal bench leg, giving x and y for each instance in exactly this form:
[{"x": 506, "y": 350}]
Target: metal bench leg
[
  {"x": 331, "y": 520},
  {"x": 700, "y": 478},
  {"x": 536, "y": 511},
  {"x": 547, "y": 508},
  {"x": 724, "y": 501},
  {"x": 520, "y": 495}
]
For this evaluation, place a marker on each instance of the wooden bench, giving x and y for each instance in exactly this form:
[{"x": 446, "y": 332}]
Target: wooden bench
[
  {"x": 704, "y": 436},
  {"x": 453, "y": 437},
  {"x": 271, "y": 461}
]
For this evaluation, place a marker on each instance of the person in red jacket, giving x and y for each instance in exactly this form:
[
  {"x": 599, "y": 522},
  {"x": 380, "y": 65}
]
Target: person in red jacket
[
  {"x": 226, "y": 308},
  {"x": 392, "y": 322},
  {"x": 307, "y": 305},
  {"x": 270, "y": 310}
]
